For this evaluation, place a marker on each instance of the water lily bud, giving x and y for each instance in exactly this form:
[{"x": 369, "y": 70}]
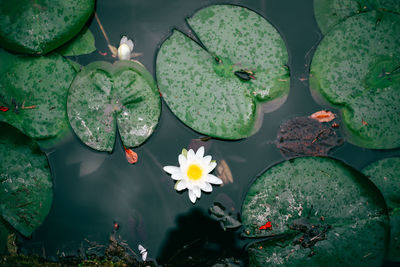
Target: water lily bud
[
  {"x": 125, "y": 48},
  {"x": 124, "y": 53}
]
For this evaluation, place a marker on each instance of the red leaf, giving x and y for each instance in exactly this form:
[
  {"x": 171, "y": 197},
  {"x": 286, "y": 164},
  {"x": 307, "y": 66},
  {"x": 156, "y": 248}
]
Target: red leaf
[
  {"x": 131, "y": 156},
  {"x": 3, "y": 109},
  {"x": 323, "y": 116},
  {"x": 267, "y": 225}
]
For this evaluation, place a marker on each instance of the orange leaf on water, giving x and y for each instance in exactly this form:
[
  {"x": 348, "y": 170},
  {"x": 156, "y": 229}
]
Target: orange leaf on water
[
  {"x": 131, "y": 156},
  {"x": 323, "y": 116}
]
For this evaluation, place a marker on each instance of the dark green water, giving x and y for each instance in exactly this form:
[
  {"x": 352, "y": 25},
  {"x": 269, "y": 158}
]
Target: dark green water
[{"x": 92, "y": 190}]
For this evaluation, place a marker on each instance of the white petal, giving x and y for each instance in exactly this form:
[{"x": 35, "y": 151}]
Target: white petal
[
  {"x": 190, "y": 155},
  {"x": 124, "y": 53},
  {"x": 124, "y": 39},
  {"x": 192, "y": 196},
  {"x": 141, "y": 248},
  {"x": 130, "y": 44},
  {"x": 213, "y": 179},
  {"x": 189, "y": 184},
  {"x": 182, "y": 160},
  {"x": 197, "y": 192},
  {"x": 144, "y": 256},
  {"x": 177, "y": 176},
  {"x": 180, "y": 185},
  {"x": 200, "y": 152},
  {"x": 211, "y": 167},
  {"x": 171, "y": 169},
  {"x": 207, "y": 187},
  {"x": 207, "y": 160}
]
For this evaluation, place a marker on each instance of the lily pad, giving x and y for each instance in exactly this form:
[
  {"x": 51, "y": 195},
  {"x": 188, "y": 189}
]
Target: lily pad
[
  {"x": 329, "y": 13},
  {"x": 38, "y": 27},
  {"x": 82, "y": 44},
  {"x": 26, "y": 191},
  {"x": 217, "y": 87},
  {"x": 356, "y": 69},
  {"x": 385, "y": 174},
  {"x": 104, "y": 95},
  {"x": 35, "y": 91},
  {"x": 4, "y": 232},
  {"x": 325, "y": 213}
]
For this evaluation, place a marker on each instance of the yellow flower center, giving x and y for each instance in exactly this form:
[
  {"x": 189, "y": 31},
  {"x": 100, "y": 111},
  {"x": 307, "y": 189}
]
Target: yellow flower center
[{"x": 194, "y": 172}]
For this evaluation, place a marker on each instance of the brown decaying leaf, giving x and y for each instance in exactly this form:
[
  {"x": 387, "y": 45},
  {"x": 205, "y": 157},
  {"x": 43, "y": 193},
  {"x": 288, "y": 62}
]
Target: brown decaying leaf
[
  {"x": 131, "y": 156},
  {"x": 323, "y": 116},
  {"x": 224, "y": 172},
  {"x": 303, "y": 136}
]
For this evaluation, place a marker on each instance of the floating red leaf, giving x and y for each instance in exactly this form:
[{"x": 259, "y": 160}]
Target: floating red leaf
[
  {"x": 3, "y": 109},
  {"x": 131, "y": 156},
  {"x": 323, "y": 116},
  {"x": 266, "y": 226}
]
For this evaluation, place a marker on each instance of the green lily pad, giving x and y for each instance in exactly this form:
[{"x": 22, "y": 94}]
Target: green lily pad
[
  {"x": 356, "y": 69},
  {"x": 40, "y": 26},
  {"x": 104, "y": 95},
  {"x": 35, "y": 91},
  {"x": 199, "y": 83},
  {"x": 82, "y": 44},
  {"x": 329, "y": 13},
  {"x": 4, "y": 232},
  {"x": 26, "y": 191},
  {"x": 385, "y": 174},
  {"x": 325, "y": 213}
]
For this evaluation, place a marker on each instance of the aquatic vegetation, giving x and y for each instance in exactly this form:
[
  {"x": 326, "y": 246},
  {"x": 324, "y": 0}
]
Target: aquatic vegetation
[
  {"x": 356, "y": 69},
  {"x": 304, "y": 136},
  {"x": 104, "y": 95},
  {"x": 35, "y": 89},
  {"x": 320, "y": 208},
  {"x": 385, "y": 174},
  {"x": 38, "y": 27},
  {"x": 329, "y": 13},
  {"x": 193, "y": 173},
  {"x": 125, "y": 48},
  {"x": 83, "y": 43},
  {"x": 219, "y": 88},
  {"x": 26, "y": 188}
]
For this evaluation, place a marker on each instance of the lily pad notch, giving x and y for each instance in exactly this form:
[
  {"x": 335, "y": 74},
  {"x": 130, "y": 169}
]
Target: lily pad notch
[
  {"x": 221, "y": 87},
  {"x": 104, "y": 95}
]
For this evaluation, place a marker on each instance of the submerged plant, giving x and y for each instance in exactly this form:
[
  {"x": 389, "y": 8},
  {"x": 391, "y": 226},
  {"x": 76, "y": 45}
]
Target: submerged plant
[{"x": 193, "y": 173}]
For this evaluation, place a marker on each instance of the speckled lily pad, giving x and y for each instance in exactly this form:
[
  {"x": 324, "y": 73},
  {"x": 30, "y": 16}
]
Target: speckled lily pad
[
  {"x": 104, "y": 95},
  {"x": 82, "y": 44},
  {"x": 26, "y": 191},
  {"x": 4, "y": 232},
  {"x": 35, "y": 91},
  {"x": 326, "y": 213},
  {"x": 329, "y": 13},
  {"x": 218, "y": 89},
  {"x": 356, "y": 68},
  {"x": 37, "y": 27},
  {"x": 386, "y": 176}
]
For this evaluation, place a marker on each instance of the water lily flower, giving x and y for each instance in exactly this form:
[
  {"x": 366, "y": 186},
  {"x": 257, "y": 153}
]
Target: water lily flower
[
  {"x": 193, "y": 173},
  {"x": 125, "y": 48}
]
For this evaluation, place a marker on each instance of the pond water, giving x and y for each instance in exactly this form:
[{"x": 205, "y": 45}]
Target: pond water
[{"x": 93, "y": 190}]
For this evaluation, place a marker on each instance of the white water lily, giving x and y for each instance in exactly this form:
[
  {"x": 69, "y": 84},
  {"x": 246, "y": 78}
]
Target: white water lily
[
  {"x": 125, "y": 48},
  {"x": 193, "y": 173}
]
